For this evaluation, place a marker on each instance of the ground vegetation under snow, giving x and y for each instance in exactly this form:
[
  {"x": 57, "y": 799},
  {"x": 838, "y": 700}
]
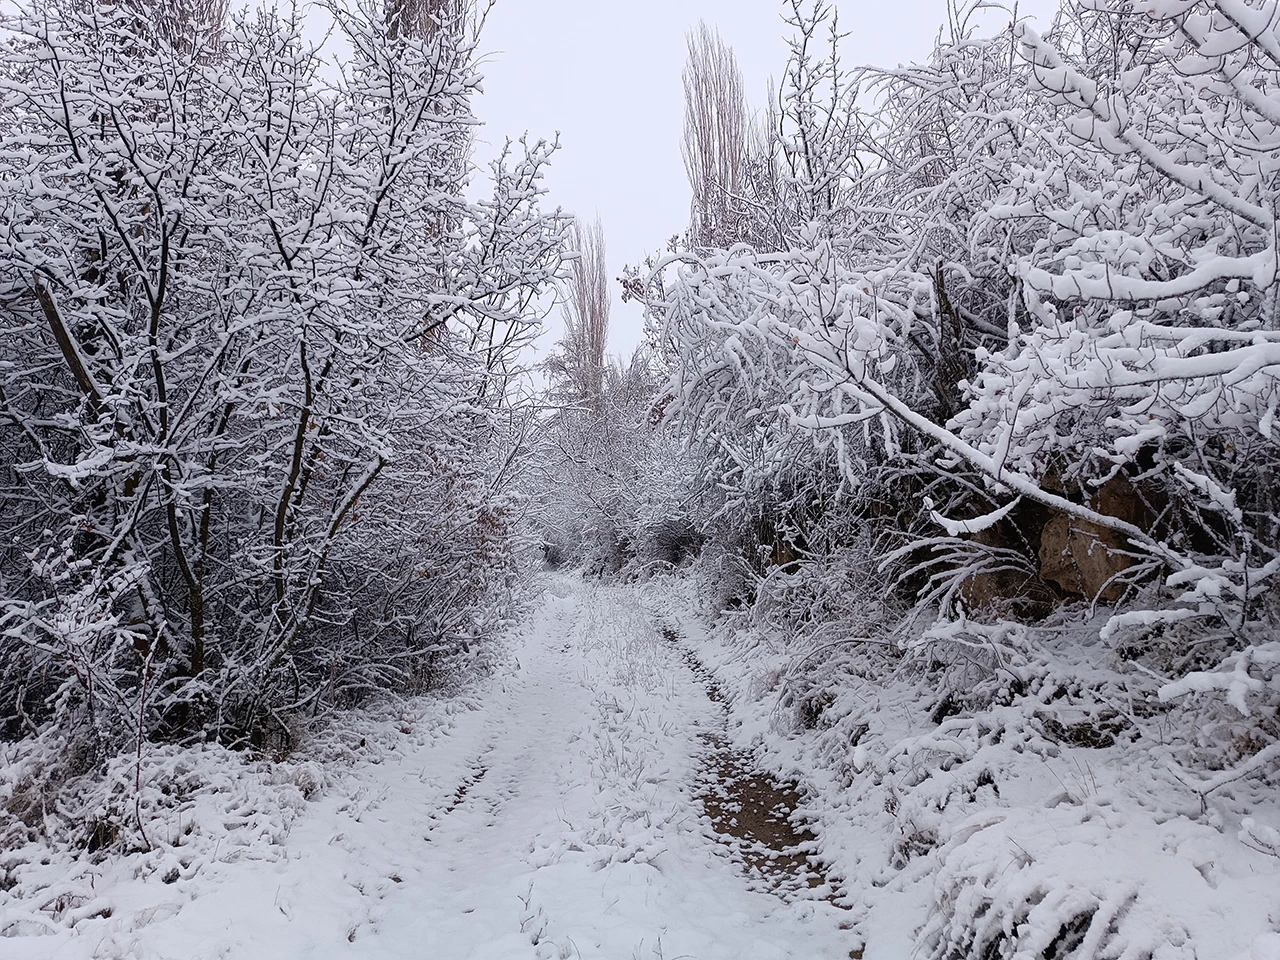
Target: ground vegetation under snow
[
  {"x": 639, "y": 779},
  {"x": 549, "y": 811},
  {"x": 927, "y": 551},
  {"x": 1016, "y": 792}
]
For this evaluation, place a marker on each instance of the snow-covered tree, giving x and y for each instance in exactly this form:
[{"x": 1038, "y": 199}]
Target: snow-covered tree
[
  {"x": 608, "y": 486},
  {"x": 715, "y": 136},
  {"x": 254, "y": 338},
  {"x": 1041, "y": 296}
]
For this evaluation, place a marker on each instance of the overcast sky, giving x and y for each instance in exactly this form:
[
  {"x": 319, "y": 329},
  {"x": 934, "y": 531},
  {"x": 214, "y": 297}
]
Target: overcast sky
[{"x": 605, "y": 74}]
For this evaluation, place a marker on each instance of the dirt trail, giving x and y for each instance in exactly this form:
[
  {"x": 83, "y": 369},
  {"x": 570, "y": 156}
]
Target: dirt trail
[
  {"x": 561, "y": 816},
  {"x": 754, "y": 812}
]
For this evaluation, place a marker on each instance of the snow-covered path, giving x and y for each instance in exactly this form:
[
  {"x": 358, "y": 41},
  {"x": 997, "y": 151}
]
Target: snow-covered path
[{"x": 555, "y": 819}]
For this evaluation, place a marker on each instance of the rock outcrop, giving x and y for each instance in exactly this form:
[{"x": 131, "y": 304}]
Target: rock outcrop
[{"x": 1082, "y": 557}]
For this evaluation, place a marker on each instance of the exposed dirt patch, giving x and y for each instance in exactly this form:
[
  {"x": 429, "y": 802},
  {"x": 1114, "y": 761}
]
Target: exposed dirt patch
[{"x": 754, "y": 812}]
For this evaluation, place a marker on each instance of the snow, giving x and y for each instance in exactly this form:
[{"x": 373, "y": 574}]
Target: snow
[
  {"x": 550, "y": 810},
  {"x": 952, "y": 835},
  {"x": 549, "y": 813},
  {"x": 1036, "y": 265},
  {"x": 977, "y": 524}
]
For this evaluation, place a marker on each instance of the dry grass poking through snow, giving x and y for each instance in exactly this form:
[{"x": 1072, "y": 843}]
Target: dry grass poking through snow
[
  {"x": 73, "y": 837},
  {"x": 1009, "y": 794}
]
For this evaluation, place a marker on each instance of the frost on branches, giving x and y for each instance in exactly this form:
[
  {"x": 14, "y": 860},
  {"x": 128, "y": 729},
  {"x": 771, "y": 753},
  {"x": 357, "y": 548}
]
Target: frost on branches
[
  {"x": 606, "y": 485},
  {"x": 1108, "y": 319},
  {"x": 255, "y": 341},
  {"x": 1015, "y": 360}
]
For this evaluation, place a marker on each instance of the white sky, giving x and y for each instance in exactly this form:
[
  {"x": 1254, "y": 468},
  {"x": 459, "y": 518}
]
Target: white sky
[{"x": 605, "y": 74}]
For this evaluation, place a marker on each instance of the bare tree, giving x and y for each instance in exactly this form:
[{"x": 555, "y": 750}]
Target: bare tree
[
  {"x": 715, "y": 134},
  {"x": 580, "y": 365},
  {"x": 183, "y": 23},
  {"x": 413, "y": 18},
  {"x": 423, "y": 19}
]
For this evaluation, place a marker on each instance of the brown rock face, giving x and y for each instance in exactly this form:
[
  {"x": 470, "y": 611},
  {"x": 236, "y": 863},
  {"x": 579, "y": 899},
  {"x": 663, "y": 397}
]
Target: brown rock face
[
  {"x": 1079, "y": 556},
  {"x": 1026, "y": 591}
]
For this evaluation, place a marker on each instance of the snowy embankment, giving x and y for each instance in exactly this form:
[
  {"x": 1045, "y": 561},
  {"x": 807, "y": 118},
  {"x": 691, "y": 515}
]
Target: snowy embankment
[
  {"x": 553, "y": 812},
  {"x": 549, "y": 813},
  {"x": 1035, "y": 805}
]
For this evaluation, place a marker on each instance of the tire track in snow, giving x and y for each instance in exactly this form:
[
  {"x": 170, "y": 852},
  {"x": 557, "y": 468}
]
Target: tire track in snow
[
  {"x": 555, "y": 821},
  {"x": 753, "y": 812}
]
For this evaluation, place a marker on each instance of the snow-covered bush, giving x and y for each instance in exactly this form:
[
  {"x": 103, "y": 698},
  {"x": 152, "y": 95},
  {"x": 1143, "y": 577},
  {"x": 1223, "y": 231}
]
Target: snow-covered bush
[
  {"x": 1039, "y": 319},
  {"x": 608, "y": 487},
  {"x": 1008, "y": 891},
  {"x": 992, "y": 445},
  {"x": 254, "y": 342}
]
